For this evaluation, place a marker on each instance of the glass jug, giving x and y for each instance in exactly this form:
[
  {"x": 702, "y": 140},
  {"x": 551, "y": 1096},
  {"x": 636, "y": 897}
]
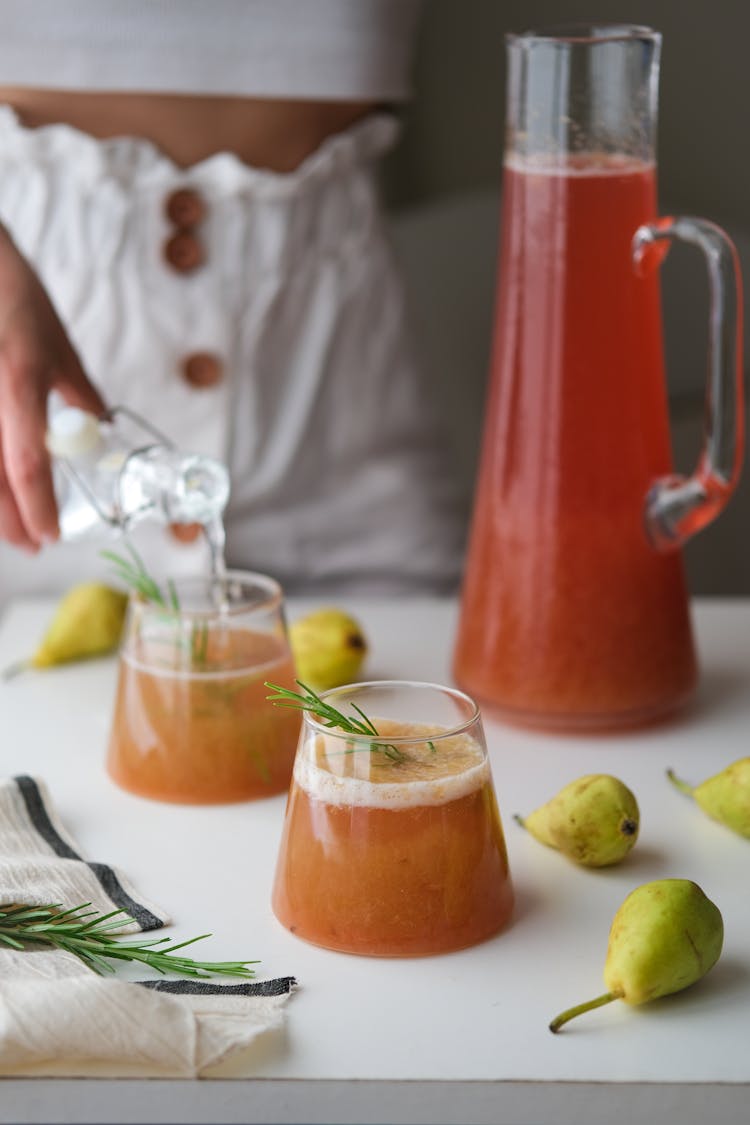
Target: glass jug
[
  {"x": 114, "y": 471},
  {"x": 574, "y": 611}
]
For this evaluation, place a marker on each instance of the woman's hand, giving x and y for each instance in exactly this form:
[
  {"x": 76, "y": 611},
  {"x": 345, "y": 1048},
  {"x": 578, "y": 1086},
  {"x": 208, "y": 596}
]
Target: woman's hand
[{"x": 36, "y": 357}]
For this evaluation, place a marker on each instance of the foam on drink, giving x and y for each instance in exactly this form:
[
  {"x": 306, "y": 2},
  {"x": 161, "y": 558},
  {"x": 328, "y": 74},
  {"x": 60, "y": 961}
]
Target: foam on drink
[
  {"x": 437, "y": 768},
  {"x": 590, "y": 163}
]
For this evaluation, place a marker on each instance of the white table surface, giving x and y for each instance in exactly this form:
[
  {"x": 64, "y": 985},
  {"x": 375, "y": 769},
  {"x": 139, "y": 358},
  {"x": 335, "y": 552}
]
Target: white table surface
[{"x": 461, "y": 1038}]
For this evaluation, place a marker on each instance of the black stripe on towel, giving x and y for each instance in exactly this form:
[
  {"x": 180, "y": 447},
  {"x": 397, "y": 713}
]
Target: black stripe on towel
[
  {"x": 40, "y": 818},
  {"x": 108, "y": 881},
  {"x": 278, "y": 987}
]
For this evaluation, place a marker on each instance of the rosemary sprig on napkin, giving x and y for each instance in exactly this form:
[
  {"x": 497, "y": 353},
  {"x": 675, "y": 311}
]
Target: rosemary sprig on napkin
[
  {"x": 329, "y": 716},
  {"x": 88, "y": 935}
]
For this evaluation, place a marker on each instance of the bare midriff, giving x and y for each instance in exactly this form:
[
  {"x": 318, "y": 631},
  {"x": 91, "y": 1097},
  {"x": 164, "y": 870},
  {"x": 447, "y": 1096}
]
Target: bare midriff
[
  {"x": 407, "y": 861},
  {"x": 277, "y": 134},
  {"x": 204, "y": 736}
]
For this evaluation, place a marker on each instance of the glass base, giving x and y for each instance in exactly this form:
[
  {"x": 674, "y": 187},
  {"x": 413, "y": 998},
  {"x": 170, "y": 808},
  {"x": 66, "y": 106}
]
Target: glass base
[
  {"x": 240, "y": 795},
  {"x": 431, "y": 947},
  {"x": 587, "y": 723}
]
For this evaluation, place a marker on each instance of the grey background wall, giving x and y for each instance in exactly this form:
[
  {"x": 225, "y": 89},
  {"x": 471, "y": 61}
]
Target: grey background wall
[{"x": 443, "y": 184}]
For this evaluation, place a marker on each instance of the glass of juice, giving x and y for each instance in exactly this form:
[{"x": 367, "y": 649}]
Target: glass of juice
[
  {"x": 392, "y": 844},
  {"x": 191, "y": 720}
]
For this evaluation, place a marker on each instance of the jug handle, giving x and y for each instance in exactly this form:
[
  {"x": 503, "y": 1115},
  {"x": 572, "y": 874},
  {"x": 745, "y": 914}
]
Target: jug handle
[{"x": 678, "y": 506}]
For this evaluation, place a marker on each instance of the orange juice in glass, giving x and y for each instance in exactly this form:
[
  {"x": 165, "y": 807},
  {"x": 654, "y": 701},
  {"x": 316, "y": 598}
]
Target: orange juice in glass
[
  {"x": 191, "y": 721},
  {"x": 392, "y": 843}
]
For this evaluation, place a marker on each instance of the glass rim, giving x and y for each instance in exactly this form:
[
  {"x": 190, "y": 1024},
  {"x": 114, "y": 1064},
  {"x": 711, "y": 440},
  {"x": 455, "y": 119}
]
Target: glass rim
[
  {"x": 591, "y": 33},
  {"x": 273, "y": 599},
  {"x": 400, "y": 739}
]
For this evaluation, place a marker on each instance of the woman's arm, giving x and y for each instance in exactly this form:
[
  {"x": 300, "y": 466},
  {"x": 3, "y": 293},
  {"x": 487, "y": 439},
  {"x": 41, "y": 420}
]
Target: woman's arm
[{"x": 36, "y": 357}]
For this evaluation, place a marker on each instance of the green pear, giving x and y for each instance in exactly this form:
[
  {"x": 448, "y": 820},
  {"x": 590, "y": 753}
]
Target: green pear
[
  {"x": 329, "y": 648},
  {"x": 725, "y": 796},
  {"x": 665, "y": 936},
  {"x": 594, "y": 820},
  {"x": 87, "y": 621}
]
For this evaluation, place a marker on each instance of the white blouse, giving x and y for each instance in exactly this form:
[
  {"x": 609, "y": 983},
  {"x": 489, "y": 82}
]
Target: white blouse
[{"x": 354, "y": 50}]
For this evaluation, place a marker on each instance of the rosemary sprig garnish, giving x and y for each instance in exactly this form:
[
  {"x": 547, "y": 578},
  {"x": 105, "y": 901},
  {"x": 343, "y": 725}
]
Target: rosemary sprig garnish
[
  {"x": 199, "y": 643},
  {"x": 134, "y": 574},
  {"x": 87, "y": 934},
  {"x": 331, "y": 717}
]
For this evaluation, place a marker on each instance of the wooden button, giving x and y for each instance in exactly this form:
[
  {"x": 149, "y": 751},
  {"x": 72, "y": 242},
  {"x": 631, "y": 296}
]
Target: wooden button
[
  {"x": 185, "y": 208},
  {"x": 185, "y": 532},
  {"x": 184, "y": 252},
  {"x": 202, "y": 369}
]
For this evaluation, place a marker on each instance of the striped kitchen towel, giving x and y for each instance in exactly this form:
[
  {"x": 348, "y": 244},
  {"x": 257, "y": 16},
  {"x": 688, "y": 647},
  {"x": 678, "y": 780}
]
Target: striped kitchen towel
[{"x": 59, "y": 1017}]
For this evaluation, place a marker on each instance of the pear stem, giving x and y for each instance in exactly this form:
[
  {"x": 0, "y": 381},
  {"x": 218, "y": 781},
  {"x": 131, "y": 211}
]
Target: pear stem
[
  {"x": 571, "y": 1013},
  {"x": 519, "y": 820},
  {"x": 679, "y": 784},
  {"x": 14, "y": 670}
]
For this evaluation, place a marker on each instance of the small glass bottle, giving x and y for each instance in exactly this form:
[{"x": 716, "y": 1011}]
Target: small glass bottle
[{"x": 117, "y": 470}]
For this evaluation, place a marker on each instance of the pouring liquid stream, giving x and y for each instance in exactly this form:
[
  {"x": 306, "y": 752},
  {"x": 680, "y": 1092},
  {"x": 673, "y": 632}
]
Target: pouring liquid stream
[{"x": 216, "y": 537}]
